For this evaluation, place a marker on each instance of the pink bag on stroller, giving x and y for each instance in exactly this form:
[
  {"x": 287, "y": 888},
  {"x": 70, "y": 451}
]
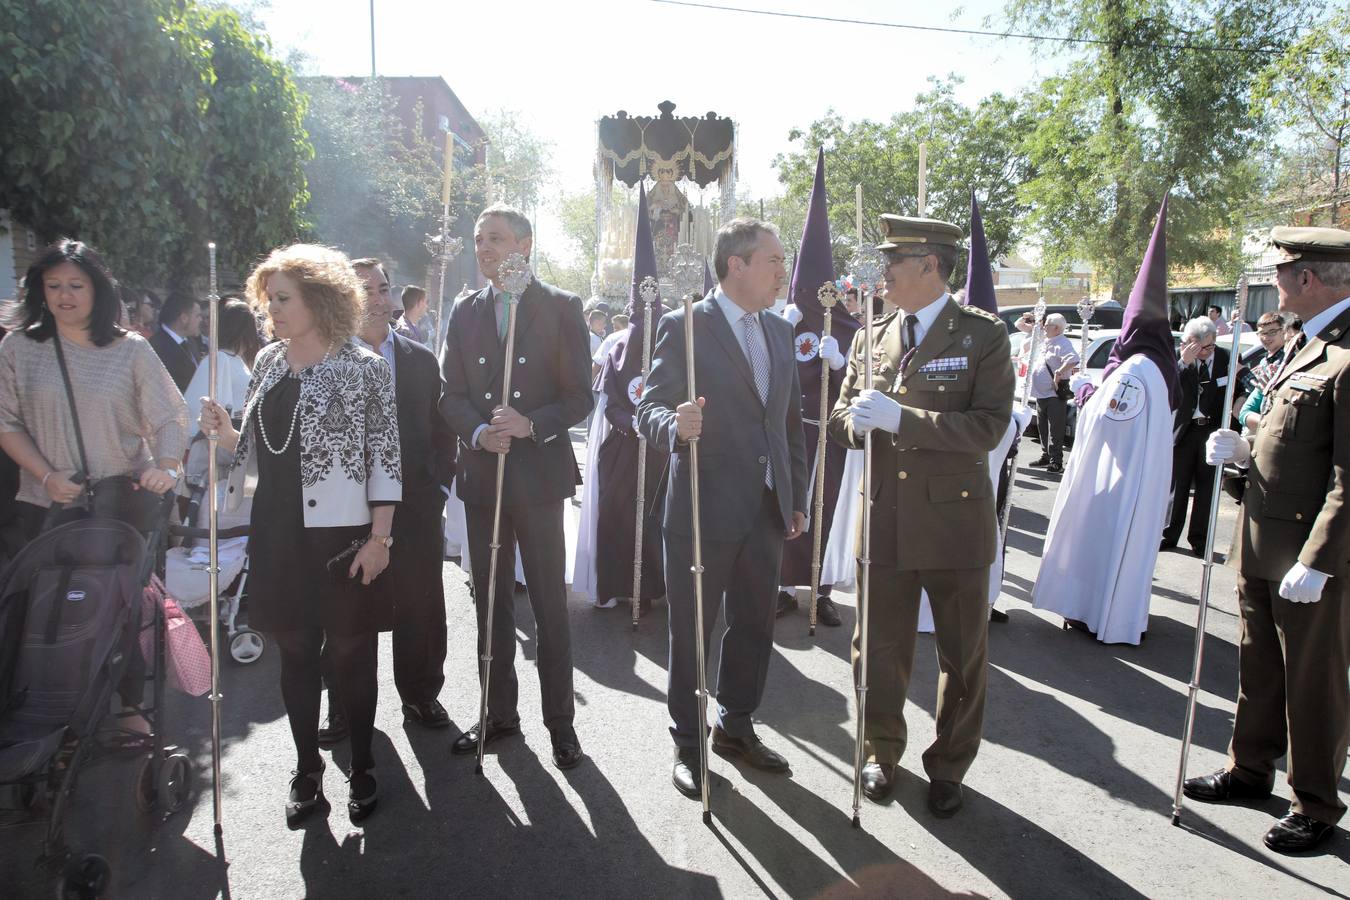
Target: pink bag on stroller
[{"x": 186, "y": 658}]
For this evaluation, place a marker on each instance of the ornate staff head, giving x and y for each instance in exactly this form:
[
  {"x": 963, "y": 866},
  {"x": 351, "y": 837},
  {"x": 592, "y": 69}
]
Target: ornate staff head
[
  {"x": 1086, "y": 307},
  {"x": 867, "y": 266},
  {"x": 686, "y": 270},
  {"x": 648, "y": 290},
  {"x": 514, "y": 274},
  {"x": 1039, "y": 312},
  {"x": 828, "y": 295}
]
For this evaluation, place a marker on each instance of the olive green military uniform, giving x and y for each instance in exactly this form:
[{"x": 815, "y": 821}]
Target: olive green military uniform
[
  {"x": 933, "y": 521},
  {"x": 1293, "y": 696}
]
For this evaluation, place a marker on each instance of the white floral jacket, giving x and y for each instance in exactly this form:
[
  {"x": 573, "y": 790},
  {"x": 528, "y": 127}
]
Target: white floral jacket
[{"x": 349, "y": 450}]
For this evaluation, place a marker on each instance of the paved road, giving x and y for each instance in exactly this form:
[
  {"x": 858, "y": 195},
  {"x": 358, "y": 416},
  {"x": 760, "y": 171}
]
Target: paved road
[{"x": 1070, "y": 796}]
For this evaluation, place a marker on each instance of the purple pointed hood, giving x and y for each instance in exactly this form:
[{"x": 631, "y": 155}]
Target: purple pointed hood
[
  {"x": 644, "y": 265},
  {"x": 979, "y": 277},
  {"x": 813, "y": 268},
  {"x": 1146, "y": 329}
]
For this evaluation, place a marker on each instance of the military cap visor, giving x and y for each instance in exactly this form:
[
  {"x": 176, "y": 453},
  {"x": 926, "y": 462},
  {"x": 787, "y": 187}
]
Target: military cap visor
[
  {"x": 1310, "y": 244},
  {"x": 905, "y": 232}
]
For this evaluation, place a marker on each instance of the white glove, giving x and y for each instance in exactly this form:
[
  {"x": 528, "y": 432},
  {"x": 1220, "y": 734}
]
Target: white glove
[
  {"x": 1226, "y": 445},
  {"x": 1078, "y": 381},
  {"x": 873, "y": 409},
  {"x": 792, "y": 314},
  {"x": 1023, "y": 416},
  {"x": 1302, "y": 584},
  {"x": 829, "y": 351}
]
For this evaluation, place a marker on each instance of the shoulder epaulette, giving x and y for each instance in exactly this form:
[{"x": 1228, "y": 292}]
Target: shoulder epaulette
[{"x": 980, "y": 313}]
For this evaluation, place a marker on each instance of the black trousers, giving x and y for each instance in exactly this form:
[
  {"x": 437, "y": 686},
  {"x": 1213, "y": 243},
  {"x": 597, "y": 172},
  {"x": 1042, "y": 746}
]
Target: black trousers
[
  {"x": 1051, "y": 416},
  {"x": 538, "y": 532},
  {"x": 742, "y": 579},
  {"x": 353, "y": 662},
  {"x": 1189, "y": 469},
  {"x": 414, "y": 584}
]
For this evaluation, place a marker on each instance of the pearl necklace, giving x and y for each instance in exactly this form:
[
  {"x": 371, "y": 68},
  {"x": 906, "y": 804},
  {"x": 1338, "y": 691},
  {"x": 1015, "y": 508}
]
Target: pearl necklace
[{"x": 295, "y": 413}]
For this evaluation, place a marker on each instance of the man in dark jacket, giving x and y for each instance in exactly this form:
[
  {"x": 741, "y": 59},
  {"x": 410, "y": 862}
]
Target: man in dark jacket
[
  {"x": 176, "y": 339},
  {"x": 1203, "y": 373},
  {"x": 550, "y": 392}
]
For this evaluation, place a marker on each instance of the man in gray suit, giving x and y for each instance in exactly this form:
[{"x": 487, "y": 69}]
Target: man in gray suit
[{"x": 752, "y": 484}]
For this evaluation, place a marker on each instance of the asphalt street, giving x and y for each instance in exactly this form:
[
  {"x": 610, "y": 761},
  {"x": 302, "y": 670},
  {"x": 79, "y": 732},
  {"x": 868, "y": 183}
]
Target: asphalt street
[{"x": 1070, "y": 796}]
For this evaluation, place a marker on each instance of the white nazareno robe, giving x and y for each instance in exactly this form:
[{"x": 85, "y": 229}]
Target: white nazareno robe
[{"x": 1102, "y": 543}]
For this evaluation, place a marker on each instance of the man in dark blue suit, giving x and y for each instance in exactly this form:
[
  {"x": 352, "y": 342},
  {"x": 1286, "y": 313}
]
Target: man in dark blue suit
[
  {"x": 550, "y": 392},
  {"x": 752, "y": 483},
  {"x": 412, "y": 583}
]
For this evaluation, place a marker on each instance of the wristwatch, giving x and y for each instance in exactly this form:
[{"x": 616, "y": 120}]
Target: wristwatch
[
  {"x": 534, "y": 437},
  {"x": 386, "y": 539}
]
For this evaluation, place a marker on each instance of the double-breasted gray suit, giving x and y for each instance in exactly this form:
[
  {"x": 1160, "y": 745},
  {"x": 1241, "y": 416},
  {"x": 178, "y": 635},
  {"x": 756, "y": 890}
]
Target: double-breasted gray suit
[{"x": 743, "y": 519}]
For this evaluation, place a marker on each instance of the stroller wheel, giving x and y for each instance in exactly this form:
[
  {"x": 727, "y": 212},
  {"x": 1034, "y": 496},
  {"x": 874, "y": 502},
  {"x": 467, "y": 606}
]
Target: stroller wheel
[
  {"x": 246, "y": 646},
  {"x": 146, "y": 791},
  {"x": 175, "y": 782},
  {"x": 84, "y": 878}
]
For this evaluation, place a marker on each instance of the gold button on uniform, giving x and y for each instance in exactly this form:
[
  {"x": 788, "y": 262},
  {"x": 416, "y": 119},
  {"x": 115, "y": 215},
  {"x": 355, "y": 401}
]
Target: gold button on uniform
[
  {"x": 942, "y": 387},
  {"x": 902, "y": 390},
  {"x": 904, "y": 475},
  {"x": 1298, "y": 516},
  {"x": 965, "y": 493}
]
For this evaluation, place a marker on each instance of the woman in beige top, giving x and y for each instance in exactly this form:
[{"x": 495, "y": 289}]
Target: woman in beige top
[{"x": 132, "y": 418}]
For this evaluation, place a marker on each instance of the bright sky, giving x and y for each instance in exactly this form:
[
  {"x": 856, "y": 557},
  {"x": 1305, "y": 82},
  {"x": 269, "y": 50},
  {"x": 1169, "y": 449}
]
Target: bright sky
[{"x": 562, "y": 65}]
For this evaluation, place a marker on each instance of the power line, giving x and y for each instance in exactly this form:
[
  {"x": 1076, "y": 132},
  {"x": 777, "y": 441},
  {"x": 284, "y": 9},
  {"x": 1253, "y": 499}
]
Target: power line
[{"x": 1199, "y": 48}]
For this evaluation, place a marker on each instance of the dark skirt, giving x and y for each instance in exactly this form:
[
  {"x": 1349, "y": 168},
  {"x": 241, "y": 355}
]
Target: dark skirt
[
  {"x": 797, "y": 554},
  {"x": 289, "y": 583},
  {"x": 614, "y": 539}
]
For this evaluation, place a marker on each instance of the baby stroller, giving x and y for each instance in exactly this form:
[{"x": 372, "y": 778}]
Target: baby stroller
[
  {"x": 187, "y": 574},
  {"x": 71, "y": 614}
]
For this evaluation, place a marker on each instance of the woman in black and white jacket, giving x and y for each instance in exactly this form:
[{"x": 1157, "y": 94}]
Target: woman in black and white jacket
[{"x": 318, "y": 453}]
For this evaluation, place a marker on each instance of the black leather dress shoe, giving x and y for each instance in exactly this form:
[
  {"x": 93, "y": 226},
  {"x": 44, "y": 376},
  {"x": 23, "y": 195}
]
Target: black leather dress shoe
[
  {"x": 467, "y": 742},
  {"x": 944, "y": 798},
  {"x": 1220, "y": 787},
  {"x": 363, "y": 793},
  {"x": 1166, "y": 545},
  {"x": 1297, "y": 832},
  {"x": 786, "y": 604},
  {"x": 334, "y": 728},
  {"x": 1041, "y": 461},
  {"x": 685, "y": 774},
  {"x": 997, "y": 615},
  {"x": 878, "y": 781},
  {"x": 428, "y": 714},
  {"x": 566, "y": 750},
  {"x": 751, "y": 750},
  {"x": 826, "y": 613}
]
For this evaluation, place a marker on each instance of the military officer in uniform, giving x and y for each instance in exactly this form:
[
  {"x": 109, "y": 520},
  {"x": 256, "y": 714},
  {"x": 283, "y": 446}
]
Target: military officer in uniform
[
  {"x": 1294, "y": 557},
  {"x": 942, "y": 400}
]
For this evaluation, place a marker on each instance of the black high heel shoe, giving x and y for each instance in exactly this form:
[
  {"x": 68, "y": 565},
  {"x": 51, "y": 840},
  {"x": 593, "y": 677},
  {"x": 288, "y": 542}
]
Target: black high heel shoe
[
  {"x": 363, "y": 793},
  {"x": 306, "y": 792}
]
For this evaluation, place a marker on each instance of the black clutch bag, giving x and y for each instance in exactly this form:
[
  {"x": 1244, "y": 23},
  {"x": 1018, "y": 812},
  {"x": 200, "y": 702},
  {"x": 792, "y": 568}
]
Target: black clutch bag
[{"x": 340, "y": 564}]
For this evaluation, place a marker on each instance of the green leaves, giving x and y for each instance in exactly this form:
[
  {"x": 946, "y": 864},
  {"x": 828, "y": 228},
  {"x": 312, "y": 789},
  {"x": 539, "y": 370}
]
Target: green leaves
[
  {"x": 122, "y": 131},
  {"x": 967, "y": 148}
]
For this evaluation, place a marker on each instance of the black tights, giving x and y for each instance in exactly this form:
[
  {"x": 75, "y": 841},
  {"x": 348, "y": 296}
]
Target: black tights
[{"x": 354, "y": 669}]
